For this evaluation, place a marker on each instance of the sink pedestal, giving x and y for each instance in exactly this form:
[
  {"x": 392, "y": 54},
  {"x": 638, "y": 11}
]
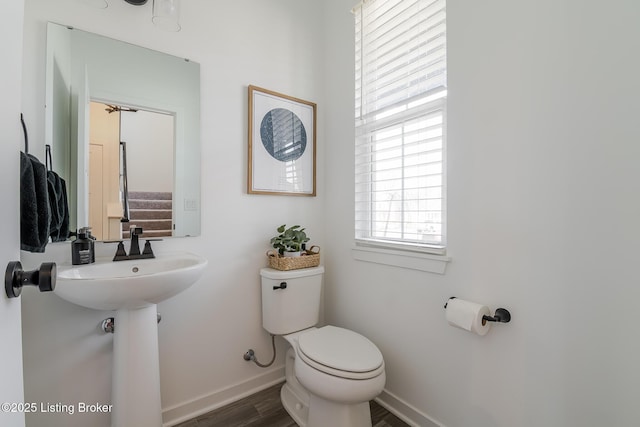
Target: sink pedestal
[{"x": 135, "y": 391}]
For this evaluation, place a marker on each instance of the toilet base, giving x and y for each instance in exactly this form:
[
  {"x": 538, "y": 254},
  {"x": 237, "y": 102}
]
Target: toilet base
[
  {"x": 296, "y": 400},
  {"x": 324, "y": 413},
  {"x": 294, "y": 397},
  {"x": 294, "y": 406}
]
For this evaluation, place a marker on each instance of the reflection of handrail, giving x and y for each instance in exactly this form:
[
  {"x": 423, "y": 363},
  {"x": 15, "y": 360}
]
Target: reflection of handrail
[{"x": 125, "y": 186}]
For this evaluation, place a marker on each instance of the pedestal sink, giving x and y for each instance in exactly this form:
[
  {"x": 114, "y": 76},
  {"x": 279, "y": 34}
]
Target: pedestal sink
[{"x": 132, "y": 288}]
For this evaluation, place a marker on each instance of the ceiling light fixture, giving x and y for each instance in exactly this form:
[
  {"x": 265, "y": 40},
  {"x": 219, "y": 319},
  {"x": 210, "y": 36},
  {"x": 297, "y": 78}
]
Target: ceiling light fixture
[{"x": 166, "y": 13}]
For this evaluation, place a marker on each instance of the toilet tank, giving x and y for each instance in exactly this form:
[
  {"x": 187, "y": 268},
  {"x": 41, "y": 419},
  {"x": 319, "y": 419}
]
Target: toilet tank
[{"x": 290, "y": 299}]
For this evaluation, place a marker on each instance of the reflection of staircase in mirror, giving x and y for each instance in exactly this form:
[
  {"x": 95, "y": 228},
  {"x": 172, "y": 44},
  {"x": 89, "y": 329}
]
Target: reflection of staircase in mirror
[{"x": 152, "y": 211}]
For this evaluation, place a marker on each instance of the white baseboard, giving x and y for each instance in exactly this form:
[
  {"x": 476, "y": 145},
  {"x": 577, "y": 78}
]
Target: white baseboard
[
  {"x": 217, "y": 399},
  {"x": 407, "y": 413}
]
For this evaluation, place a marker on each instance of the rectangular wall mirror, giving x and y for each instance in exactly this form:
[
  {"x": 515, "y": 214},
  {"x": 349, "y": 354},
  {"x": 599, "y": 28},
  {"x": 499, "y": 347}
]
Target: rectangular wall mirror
[{"x": 123, "y": 124}]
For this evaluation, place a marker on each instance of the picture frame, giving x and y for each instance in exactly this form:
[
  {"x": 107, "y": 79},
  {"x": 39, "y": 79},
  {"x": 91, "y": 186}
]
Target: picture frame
[{"x": 282, "y": 144}]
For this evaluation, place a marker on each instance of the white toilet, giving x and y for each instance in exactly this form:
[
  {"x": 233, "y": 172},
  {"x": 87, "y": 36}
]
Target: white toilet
[{"x": 331, "y": 373}]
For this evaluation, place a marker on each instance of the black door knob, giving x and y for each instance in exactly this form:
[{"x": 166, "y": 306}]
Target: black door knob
[{"x": 15, "y": 278}]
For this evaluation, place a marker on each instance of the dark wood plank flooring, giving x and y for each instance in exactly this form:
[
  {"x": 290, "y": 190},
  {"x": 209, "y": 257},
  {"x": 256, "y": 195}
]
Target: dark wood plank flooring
[{"x": 264, "y": 409}]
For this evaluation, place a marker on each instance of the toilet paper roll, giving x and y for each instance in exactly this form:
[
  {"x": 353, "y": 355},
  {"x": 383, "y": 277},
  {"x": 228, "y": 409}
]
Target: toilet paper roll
[{"x": 467, "y": 315}]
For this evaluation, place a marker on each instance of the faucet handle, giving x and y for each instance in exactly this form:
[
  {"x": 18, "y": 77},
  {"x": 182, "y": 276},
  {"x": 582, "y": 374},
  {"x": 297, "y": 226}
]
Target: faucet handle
[
  {"x": 147, "y": 252},
  {"x": 121, "y": 253}
]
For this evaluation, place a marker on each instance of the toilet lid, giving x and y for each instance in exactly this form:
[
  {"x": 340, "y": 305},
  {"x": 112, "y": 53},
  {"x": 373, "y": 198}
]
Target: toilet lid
[{"x": 340, "y": 349}]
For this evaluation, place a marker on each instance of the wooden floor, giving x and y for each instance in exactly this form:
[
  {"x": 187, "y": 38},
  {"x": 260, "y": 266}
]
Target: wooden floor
[{"x": 264, "y": 409}]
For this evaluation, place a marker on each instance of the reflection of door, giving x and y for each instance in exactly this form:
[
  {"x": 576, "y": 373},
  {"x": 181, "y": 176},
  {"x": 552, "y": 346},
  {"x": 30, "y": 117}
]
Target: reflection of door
[
  {"x": 96, "y": 195},
  {"x": 104, "y": 172}
]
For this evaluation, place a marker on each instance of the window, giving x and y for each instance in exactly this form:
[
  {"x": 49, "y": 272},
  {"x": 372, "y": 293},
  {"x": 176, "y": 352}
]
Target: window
[{"x": 400, "y": 117}]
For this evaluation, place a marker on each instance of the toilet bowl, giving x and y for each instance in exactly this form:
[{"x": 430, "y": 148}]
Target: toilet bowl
[{"x": 331, "y": 373}]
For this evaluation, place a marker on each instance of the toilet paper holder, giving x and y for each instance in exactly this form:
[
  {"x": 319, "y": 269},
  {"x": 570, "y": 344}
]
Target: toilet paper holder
[{"x": 501, "y": 315}]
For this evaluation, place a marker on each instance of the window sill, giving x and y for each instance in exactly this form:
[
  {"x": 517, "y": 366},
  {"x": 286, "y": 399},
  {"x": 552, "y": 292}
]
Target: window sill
[{"x": 404, "y": 259}]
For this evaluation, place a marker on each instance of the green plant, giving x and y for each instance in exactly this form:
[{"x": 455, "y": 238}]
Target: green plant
[{"x": 290, "y": 239}]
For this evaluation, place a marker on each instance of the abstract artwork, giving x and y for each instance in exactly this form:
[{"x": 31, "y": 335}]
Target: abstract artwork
[{"x": 282, "y": 146}]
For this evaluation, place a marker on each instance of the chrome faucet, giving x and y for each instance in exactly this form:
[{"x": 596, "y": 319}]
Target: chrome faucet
[{"x": 134, "y": 249}]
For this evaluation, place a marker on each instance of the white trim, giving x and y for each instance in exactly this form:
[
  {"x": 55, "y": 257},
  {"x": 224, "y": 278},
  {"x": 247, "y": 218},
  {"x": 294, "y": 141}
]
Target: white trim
[
  {"x": 400, "y": 246},
  {"x": 404, "y": 259},
  {"x": 406, "y": 412},
  {"x": 185, "y": 411}
]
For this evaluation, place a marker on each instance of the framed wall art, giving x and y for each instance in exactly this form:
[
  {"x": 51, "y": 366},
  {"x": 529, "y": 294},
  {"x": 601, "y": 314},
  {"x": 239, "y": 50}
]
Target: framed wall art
[{"x": 282, "y": 144}]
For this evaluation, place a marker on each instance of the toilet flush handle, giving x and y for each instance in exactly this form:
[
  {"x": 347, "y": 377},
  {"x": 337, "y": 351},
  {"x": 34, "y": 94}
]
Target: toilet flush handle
[{"x": 283, "y": 285}]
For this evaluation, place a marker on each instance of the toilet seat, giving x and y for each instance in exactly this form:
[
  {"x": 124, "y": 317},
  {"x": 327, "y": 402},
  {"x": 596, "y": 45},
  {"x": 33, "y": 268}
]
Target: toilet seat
[{"x": 341, "y": 353}]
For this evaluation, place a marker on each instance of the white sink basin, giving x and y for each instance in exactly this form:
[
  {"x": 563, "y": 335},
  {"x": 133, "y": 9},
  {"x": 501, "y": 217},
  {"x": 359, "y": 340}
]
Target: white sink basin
[{"x": 108, "y": 285}]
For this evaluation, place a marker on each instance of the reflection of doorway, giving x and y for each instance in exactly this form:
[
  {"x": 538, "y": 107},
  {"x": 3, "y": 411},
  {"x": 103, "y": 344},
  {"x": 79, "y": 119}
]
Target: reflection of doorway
[
  {"x": 105, "y": 209},
  {"x": 149, "y": 138}
]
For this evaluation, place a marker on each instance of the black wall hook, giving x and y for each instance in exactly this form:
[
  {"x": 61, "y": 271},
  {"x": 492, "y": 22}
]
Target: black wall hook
[
  {"x": 26, "y": 136},
  {"x": 15, "y": 278}
]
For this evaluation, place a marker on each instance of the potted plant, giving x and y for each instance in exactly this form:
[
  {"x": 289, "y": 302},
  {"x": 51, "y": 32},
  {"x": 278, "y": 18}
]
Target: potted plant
[{"x": 289, "y": 241}]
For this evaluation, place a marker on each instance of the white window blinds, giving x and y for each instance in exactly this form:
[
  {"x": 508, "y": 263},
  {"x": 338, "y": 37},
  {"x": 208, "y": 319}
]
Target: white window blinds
[{"x": 400, "y": 115}]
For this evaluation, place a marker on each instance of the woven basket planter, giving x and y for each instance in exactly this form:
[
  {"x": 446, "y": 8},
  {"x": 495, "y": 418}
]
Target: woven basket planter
[{"x": 309, "y": 258}]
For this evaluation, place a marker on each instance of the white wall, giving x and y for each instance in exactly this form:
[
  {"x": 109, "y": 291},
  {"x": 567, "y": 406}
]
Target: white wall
[
  {"x": 149, "y": 139},
  {"x": 543, "y": 208},
  {"x": 543, "y": 219},
  {"x": 11, "y": 142},
  {"x": 206, "y": 330}
]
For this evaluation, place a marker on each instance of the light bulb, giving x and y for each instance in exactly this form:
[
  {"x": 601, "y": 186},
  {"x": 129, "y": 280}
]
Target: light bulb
[{"x": 166, "y": 14}]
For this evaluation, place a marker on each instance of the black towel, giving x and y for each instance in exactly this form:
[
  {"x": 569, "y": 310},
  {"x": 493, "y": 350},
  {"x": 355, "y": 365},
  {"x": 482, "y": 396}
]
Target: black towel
[
  {"x": 53, "y": 188},
  {"x": 34, "y": 204},
  {"x": 59, "y": 208},
  {"x": 64, "y": 232}
]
